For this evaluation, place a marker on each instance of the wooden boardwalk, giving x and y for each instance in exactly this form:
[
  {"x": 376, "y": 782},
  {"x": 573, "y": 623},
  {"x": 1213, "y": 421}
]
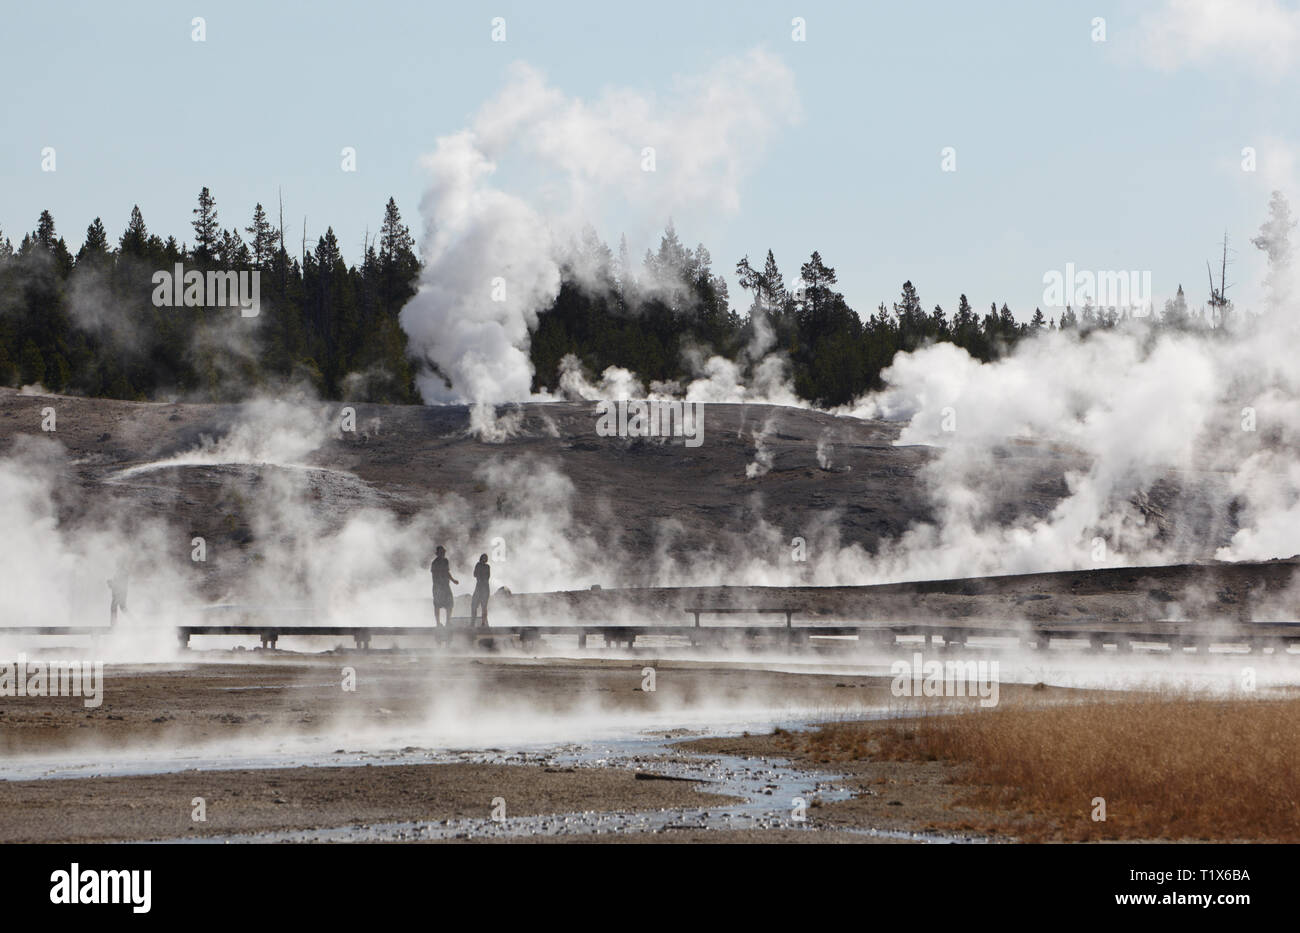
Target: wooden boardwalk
[{"x": 785, "y": 629}]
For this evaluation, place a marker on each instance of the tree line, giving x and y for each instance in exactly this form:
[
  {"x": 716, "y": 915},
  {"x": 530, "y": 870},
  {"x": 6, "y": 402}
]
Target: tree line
[
  {"x": 649, "y": 318},
  {"x": 84, "y": 324}
]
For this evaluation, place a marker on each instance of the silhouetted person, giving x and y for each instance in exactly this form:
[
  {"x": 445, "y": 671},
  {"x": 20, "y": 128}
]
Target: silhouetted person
[
  {"x": 118, "y": 587},
  {"x": 440, "y": 569},
  {"x": 480, "y": 599}
]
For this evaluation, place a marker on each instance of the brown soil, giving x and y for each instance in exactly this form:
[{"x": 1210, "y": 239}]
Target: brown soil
[
  {"x": 190, "y": 708},
  {"x": 258, "y": 801}
]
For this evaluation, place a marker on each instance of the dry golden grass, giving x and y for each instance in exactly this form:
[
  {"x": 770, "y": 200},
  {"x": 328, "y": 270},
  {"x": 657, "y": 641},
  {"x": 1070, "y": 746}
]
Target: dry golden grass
[{"x": 1168, "y": 768}]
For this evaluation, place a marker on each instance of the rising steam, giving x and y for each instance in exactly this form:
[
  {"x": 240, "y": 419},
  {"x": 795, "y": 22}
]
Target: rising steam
[{"x": 493, "y": 259}]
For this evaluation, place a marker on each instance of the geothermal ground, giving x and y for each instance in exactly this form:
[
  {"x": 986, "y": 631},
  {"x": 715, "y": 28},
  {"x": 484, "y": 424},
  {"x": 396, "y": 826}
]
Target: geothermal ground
[
  {"x": 451, "y": 748},
  {"x": 835, "y": 481},
  {"x": 573, "y": 749},
  {"x": 418, "y": 742}
]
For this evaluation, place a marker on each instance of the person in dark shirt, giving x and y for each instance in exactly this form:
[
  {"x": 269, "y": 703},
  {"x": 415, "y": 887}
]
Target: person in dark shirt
[
  {"x": 440, "y": 570},
  {"x": 482, "y": 572}
]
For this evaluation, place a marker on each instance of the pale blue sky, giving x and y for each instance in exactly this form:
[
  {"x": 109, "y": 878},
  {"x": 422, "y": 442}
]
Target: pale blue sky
[{"x": 1115, "y": 155}]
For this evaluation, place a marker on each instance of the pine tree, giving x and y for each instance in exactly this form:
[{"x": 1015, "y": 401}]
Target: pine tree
[
  {"x": 964, "y": 321},
  {"x": 45, "y": 235},
  {"x": 911, "y": 317},
  {"x": 937, "y": 327},
  {"x": 1175, "y": 314},
  {"x": 232, "y": 252},
  {"x": 771, "y": 297},
  {"x": 672, "y": 263},
  {"x": 135, "y": 239},
  {"x": 817, "y": 280},
  {"x": 774, "y": 289},
  {"x": 1008, "y": 329},
  {"x": 399, "y": 267},
  {"x": 206, "y": 232},
  {"x": 989, "y": 327},
  {"x": 264, "y": 238},
  {"x": 94, "y": 251}
]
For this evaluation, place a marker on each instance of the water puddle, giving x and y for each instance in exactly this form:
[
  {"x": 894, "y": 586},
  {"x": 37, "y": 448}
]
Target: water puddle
[
  {"x": 520, "y": 739},
  {"x": 765, "y": 794},
  {"x": 755, "y": 793}
]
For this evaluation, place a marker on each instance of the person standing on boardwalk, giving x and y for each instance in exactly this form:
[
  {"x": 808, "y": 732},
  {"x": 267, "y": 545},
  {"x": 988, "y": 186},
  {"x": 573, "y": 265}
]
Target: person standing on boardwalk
[
  {"x": 117, "y": 586},
  {"x": 482, "y": 572},
  {"x": 440, "y": 570}
]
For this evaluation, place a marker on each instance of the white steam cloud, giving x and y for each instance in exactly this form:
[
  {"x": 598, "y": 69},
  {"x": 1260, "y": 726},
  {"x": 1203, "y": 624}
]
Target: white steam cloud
[
  {"x": 493, "y": 259},
  {"x": 1261, "y": 35},
  {"x": 1134, "y": 409}
]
